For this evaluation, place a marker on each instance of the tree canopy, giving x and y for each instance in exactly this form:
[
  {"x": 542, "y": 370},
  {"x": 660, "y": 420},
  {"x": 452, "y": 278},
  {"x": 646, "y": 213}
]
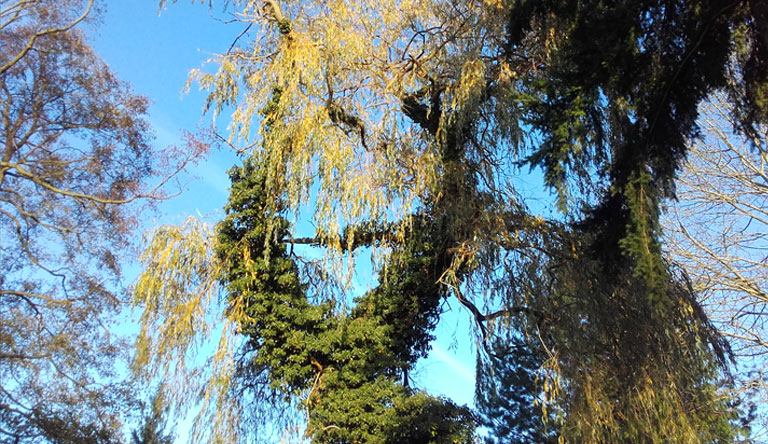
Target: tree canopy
[
  {"x": 717, "y": 230},
  {"x": 76, "y": 161},
  {"x": 405, "y": 126}
]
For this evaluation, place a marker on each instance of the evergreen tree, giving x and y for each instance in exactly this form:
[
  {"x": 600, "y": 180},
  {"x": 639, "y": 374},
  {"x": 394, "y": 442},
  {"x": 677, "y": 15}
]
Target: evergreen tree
[
  {"x": 406, "y": 128},
  {"x": 350, "y": 366},
  {"x": 152, "y": 427},
  {"x": 507, "y": 392}
]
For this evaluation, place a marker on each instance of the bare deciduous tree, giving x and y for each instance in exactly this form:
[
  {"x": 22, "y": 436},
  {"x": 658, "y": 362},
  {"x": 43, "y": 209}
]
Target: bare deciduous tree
[
  {"x": 76, "y": 163},
  {"x": 718, "y": 230}
]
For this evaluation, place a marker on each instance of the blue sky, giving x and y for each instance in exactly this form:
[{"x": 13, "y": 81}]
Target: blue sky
[{"x": 154, "y": 52}]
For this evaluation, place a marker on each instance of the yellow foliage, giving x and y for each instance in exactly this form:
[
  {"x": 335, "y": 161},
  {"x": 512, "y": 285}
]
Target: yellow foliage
[
  {"x": 177, "y": 290},
  {"x": 362, "y": 58}
]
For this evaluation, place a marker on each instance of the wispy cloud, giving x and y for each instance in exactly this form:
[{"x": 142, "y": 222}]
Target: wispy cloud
[{"x": 461, "y": 369}]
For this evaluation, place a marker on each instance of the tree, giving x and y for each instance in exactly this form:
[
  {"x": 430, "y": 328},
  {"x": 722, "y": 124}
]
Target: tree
[
  {"x": 349, "y": 365},
  {"x": 153, "y": 423},
  {"x": 506, "y": 392},
  {"x": 76, "y": 161},
  {"x": 717, "y": 231},
  {"x": 403, "y": 125}
]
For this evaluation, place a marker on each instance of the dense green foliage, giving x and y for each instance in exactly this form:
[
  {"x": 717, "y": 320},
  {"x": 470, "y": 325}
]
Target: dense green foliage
[
  {"x": 621, "y": 92},
  {"x": 589, "y": 334},
  {"x": 348, "y": 366}
]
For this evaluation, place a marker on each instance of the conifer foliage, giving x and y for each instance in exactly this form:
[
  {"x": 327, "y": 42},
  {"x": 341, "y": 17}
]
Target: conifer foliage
[
  {"x": 350, "y": 366},
  {"x": 403, "y": 126}
]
